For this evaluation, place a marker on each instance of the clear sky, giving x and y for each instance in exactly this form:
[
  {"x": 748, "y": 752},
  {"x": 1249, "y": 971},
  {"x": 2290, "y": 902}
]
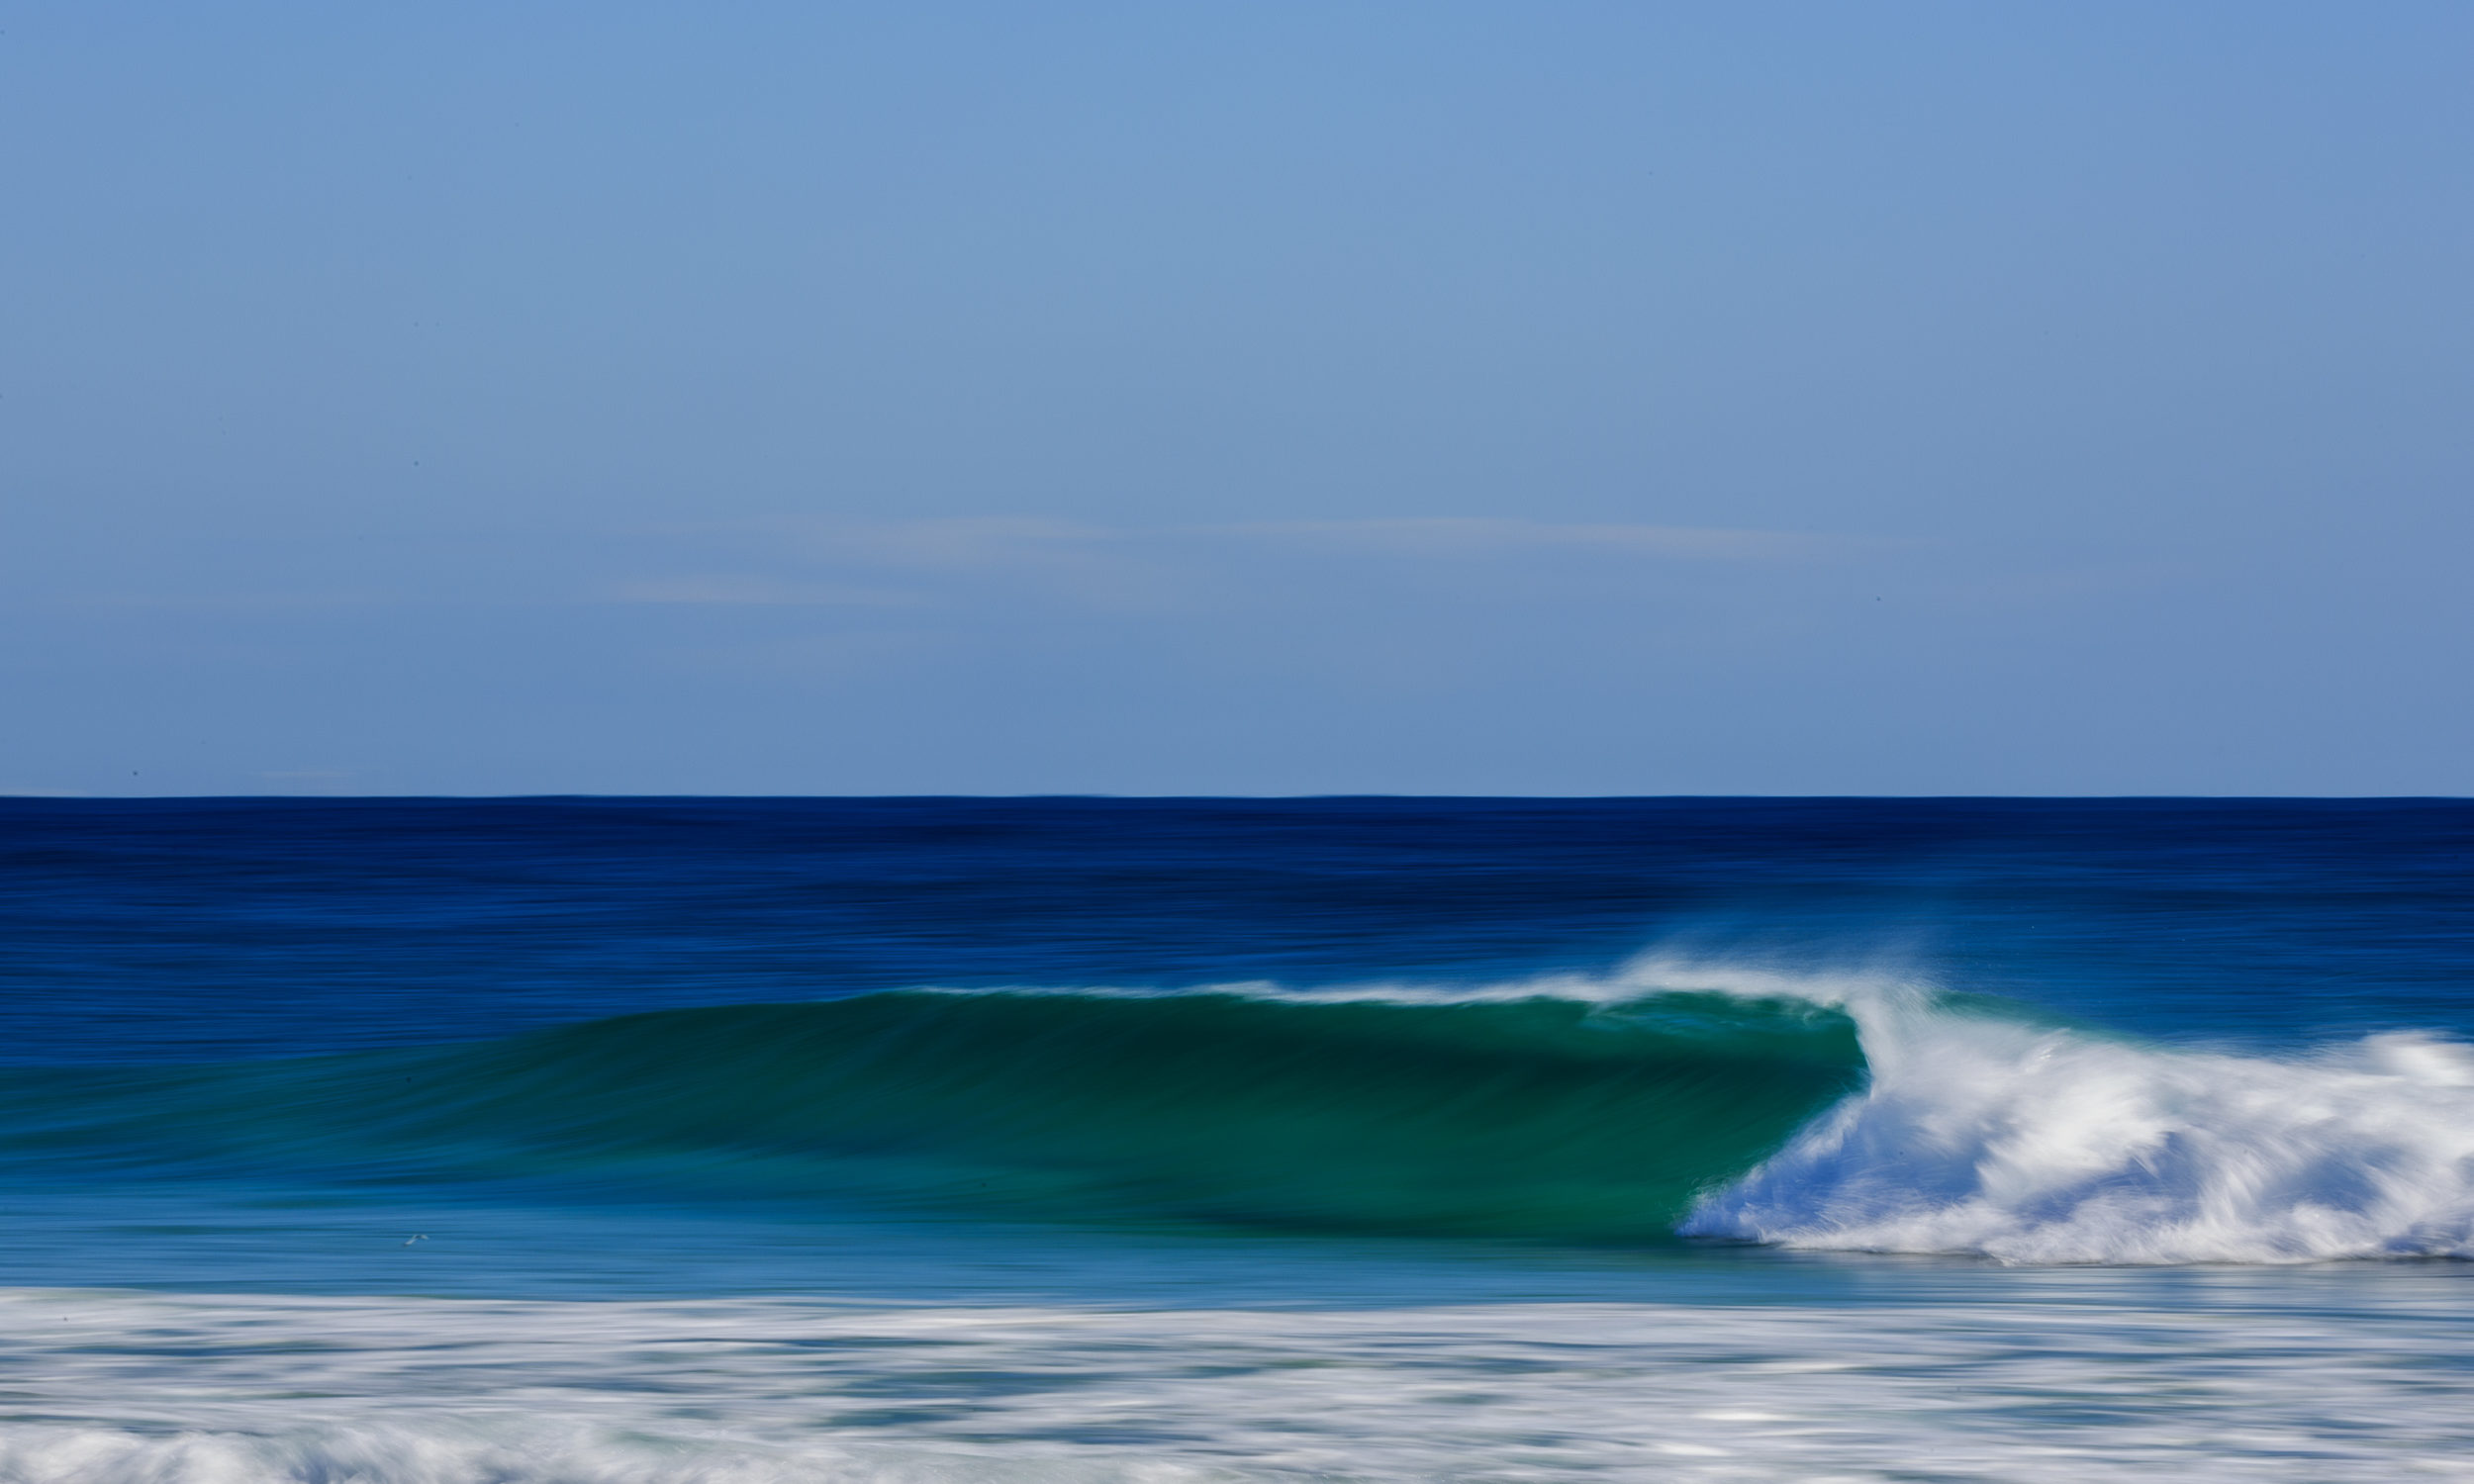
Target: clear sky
[{"x": 1242, "y": 399}]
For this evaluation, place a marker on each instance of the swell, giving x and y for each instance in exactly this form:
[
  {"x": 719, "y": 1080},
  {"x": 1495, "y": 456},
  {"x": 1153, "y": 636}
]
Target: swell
[{"x": 1534, "y": 1116}]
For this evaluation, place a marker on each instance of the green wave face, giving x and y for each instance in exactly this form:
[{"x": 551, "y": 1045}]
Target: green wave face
[{"x": 1542, "y": 1119}]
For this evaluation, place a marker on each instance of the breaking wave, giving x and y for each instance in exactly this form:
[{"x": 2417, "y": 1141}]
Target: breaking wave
[
  {"x": 1850, "y": 1112},
  {"x": 2036, "y": 1144}
]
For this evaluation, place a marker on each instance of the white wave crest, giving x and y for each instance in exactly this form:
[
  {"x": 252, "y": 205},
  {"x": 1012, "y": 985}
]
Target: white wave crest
[
  {"x": 2029, "y": 1144},
  {"x": 1644, "y": 976}
]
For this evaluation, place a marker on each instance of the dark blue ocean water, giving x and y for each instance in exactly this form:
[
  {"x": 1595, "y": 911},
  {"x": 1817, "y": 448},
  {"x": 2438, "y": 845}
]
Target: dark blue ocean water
[
  {"x": 220, "y": 928},
  {"x": 1729, "y": 1139}
]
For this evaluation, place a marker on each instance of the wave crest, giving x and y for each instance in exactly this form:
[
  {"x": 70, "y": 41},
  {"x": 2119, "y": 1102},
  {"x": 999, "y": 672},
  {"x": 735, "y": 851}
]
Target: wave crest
[{"x": 2031, "y": 1144}]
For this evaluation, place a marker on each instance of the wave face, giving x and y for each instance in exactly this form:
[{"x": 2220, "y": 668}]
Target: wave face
[
  {"x": 1808, "y": 1111},
  {"x": 1527, "y": 1117},
  {"x": 1983, "y": 1134}
]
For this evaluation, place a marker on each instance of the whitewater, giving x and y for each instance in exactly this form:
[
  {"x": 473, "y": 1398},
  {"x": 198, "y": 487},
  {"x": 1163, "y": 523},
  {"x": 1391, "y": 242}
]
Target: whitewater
[
  {"x": 2047, "y": 1381},
  {"x": 1981, "y": 1134}
]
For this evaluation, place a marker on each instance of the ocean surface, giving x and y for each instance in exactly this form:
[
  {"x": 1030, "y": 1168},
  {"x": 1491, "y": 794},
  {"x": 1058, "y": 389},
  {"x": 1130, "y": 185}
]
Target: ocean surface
[{"x": 491, "y": 1142}]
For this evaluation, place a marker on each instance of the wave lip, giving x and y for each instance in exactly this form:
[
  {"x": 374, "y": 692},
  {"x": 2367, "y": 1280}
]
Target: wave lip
[{"x": 2029, "y": 1144}]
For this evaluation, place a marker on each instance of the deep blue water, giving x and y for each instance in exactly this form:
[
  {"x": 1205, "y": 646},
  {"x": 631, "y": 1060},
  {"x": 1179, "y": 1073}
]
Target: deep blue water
[{"x": 220, "y": 928}]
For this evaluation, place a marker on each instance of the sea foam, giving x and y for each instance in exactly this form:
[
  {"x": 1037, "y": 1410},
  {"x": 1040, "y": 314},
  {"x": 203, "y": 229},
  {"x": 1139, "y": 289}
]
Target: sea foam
[
  {"x": 2134, "y": 1376},
  {"x": 2034, "y": 1144}
]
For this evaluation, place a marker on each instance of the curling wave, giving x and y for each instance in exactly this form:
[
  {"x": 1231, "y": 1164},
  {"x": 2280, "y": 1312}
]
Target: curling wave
[
  {"x": 1851, "y": 1113},
  {"x": 1535, "y": 1116}
]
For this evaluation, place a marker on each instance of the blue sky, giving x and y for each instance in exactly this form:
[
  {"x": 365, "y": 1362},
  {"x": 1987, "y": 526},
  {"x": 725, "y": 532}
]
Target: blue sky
[{"x": 1261, "y": 398}]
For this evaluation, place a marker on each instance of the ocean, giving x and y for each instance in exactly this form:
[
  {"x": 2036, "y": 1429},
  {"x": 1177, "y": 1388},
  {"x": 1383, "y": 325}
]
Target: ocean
[{"x": 494, "y": 1141}]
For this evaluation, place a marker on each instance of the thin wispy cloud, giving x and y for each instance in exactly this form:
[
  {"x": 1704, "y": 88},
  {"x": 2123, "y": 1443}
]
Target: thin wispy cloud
[
  {"x": 1463, "y": 537},
  {"x": 955, "y": 545},
  {"x": 754, "y": 590},
  {"x": 984, "y": 543}
]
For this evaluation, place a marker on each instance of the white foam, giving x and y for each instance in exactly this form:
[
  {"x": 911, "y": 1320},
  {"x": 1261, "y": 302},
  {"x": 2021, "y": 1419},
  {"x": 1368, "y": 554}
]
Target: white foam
[
  {"x": 1644, "y": 976},
  {"x": 447, "y": 1451},
  {"x": 2236, "y": 1377},
  {"x": 2035, "y": 1145}
]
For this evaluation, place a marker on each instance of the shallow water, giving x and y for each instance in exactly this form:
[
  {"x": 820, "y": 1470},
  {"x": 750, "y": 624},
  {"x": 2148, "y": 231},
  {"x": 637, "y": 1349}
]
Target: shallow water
[{"x": 2314, "y": 1377}]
